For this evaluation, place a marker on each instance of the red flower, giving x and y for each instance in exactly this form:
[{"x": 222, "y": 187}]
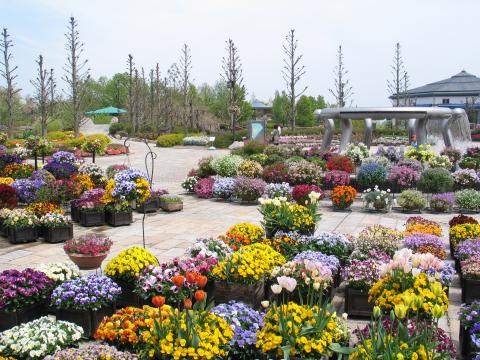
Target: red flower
[
  {"x": 178, "y": 281},
  {"x": 202, "y": 281},
  {"x": 187, "y": 304},
  {"x": 158, "y": 301},
  {"x": 200, "y": 295},
  {"x": 340, "y": 162},
  {"x": 191, "y": 277}
]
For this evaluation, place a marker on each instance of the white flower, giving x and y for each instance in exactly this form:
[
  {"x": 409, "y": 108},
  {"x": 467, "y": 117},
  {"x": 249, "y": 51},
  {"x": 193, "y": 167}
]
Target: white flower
[
  {"x": 265, "y": 304},
  {"x": 276, "y": 289}
]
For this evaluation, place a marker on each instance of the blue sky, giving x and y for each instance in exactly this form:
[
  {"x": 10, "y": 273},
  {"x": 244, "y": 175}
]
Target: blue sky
[{"x": 438, "y": 38}]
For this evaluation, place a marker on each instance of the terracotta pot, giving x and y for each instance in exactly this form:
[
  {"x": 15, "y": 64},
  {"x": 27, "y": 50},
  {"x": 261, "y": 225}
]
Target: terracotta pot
[
  {"x": 171, "y": 206},
  {"x": 87, "y": 262}
]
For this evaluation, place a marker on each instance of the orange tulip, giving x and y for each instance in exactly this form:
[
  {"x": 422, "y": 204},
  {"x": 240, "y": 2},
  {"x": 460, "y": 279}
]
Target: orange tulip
[
  {"x": 202, "y": 281},
  {"x": 178, "y": 281},
  {"x": 158, "y": 301},
  {"x": 191, "y": 276},
  {"x": 200, "y": 295},
  {"x": 187, "y": 304}
]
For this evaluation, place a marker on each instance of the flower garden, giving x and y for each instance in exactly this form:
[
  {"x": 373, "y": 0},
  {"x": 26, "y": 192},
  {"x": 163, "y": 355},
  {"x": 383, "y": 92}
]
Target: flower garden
[{"x": 252, "y": 292}]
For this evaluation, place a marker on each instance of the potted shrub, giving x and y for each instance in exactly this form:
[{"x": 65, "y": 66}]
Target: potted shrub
[
  {"x": 23, "y": 296},
  {"x": 369, "y": 174},
  {"x": 403, "y": 177},
  {"x": 470, "y": 279},
  {"x": 281, "y": 215},
  {"x": 412, "y": 200},
  {"x": 468, "y": 200},
  {"x": 343, "y": 197},
  {"x": 435, "y": 181},
  {"x": 248, "y": 189},
  {"x": 125, "y": 268},
  {"x": 223, "y": 187},
  {"x": 171, "y": 203},
  {"x": 379, "y": 200},
  {"x": 22, "y": 226},
  {"x": 85, "y": 301},
  {"x": 359, "y": 276},
  {"x": 88, "y": 251},
  {"x": 442, "y": 202},
  {"x": 465, "y": 178},
  {"x": 39, "y": 338},
  {"x": 57, "y": 227},
  {"x": 189, "y": 183},
  {"x": 241, "y": 275},
  {"x": 91, "y": 207}
]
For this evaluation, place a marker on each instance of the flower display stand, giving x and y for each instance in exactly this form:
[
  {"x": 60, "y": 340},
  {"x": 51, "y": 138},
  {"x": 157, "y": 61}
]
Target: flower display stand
[
  {"x": 22, "y": 235},
  {"x": 87, "y": 319},
  {"x": 251, "y": 295},
  {"x": 470, "y": 290},
  {"x": 148, "y": 206},
  {"x": 465, "y": 342},
  {"x": 29, "y": 313},
  {"x": 356, "y": 303},
  {"x": 90, "y": 218},
  {"x": 58, "y": 234},
  {"x": 120, "y": 218}
]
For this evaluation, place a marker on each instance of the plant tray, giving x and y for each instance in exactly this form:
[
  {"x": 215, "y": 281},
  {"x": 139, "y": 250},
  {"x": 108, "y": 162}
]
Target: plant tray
[{"x": 58, "y": 234}]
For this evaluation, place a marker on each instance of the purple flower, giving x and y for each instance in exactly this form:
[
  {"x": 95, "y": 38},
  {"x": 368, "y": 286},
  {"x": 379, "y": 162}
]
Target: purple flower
[
  {"x": 92, "y": 351},
  {"x": 60, "y": 170},
  {"x": 316, "y": 256},
  {"x": 337, "y": 177},
  {"x": 403, "y": 176},
  {"x": 418, "y": 240},
  {"x": 64, "y": 157},
  {"x": 129, "y": 175},
  {"x": 468, "y": 248},
  {"x": 26, "y": 189},
  {"x": 248, "y": 189},
  {"x": 448, "y": 198},
  {"x": 223, "y": 187}
]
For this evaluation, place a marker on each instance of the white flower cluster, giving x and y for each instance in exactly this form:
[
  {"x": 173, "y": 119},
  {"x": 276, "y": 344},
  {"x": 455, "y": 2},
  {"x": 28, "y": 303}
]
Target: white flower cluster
[
  {"x": 278, "y": 201},
  {"x": 22, "y": 152},
  {"x": 357, "y": 153},
  {"x": 60, "y": 271},
  {"x": 38, "y": 338},
  {"x": 209, "y": 248},
  {"x": 92, "y": 170}
]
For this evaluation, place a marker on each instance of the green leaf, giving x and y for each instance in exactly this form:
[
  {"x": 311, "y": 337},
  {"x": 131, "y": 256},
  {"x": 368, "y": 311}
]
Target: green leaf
[{"x": 346, "y": 350}]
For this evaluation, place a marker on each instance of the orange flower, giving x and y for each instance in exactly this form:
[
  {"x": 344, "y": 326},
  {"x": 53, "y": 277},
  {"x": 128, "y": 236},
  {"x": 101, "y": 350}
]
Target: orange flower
[
  {"x": 191, "y": 277},
  {"x": 202, "y": 281},
  {"x": 200, "y": 295},
  {"x": 158, "y": 301},
  {"x": 178, "y": 281},
  {"x": 187, "y": 304}
]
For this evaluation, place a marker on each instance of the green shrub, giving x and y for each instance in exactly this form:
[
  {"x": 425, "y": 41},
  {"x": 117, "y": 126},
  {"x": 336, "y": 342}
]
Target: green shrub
[
  {"x": 294, "y": 159},
  {"x": 119, "y": 127},
  {"x": 102, "y": 119},
  {"x": 253, "y": 147},
  {"x": 468, "y": 199},
  {"x": 170, "y": 140},
  {"x": 59, "y": 135},
  {"x": 412, "y": 200},
  {"x": 226, "y": 165},
  {"x": 437, "y": 180},
  {"x": 273, "y": 159},
  {"x": 223, "y": 141}
]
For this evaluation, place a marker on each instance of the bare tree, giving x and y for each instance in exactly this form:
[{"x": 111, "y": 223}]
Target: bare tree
[
  {"x": 53, "y": 93},
  {"x": 292, "y": 73},
  {"x": 43, "y": 85},
  {"x": 342, "y": 90},
  {"x": 76, "y": 73},
  {"x": 396, "y": 85},
  {"x": 232, "y": 75},
  {"x": 185, "y": 82},
  {"x": 8, "y": 73},
  {"x": 406, "y": 86}
]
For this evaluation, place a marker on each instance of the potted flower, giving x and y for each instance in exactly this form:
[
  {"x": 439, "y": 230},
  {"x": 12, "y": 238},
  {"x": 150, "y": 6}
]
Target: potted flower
[
  {"x": 88, "y": 251},
  {"x": 468, "y": 200},
  {"x": 469, "y": 316},
  {"x": 417, "y": 224},
  {"x": 442, "y": 203},
  {"x": 274, "y": 190},
  {"x": 90, "y": 351},
  {"x": 189, "y": 183},
  {"x": 8, "y": 197},
  {"x": 281, "y": 215},
  {"x": 378, "y": 238},
  {"x": 125, "y": 269},
  {"x": 23, "y": 296},
  {"x": 300, "y": 193},
  {"x": 465, "y": 178},
  {"x": 380, "y": 200},
  {"x": 223, "y": 188},
  {"x": 57, "y": 228},
  {"x": 412, "y": 200},
  {"x": 248, "y": 189},
  {"x": 177, "y": 280},
  {"x": 22, "y": 226},
  {"x": 3, "y": 214},
  {"x": 118, "y": 214},
  {"x": 91, "y": 208},
  {"x": 426, "y": 244},
  {"x": 330, "y": 261},
  {"x": 360, "y": 275},
  {"x": 343, "y": 197},
  {"x": 93, "y": 146},
  {"x": 39, "y": 338},
  {"x": 60, "y": 271},
  {"x": 461, "y": 232},
  {"x": 171, "y": 203},
  {"x": 470, "y": 279},
  {"x": 241, "y": 275},
  {"x": 403, "y": 177},
  {"x": 152, "y": 204},
  {"x": 94, "y": 171},
  {"x": 85, "y": 301},
  {"x": 372, "y": 173},
  {"x": 356, "y": 153},
  {"x": 329, "y": 243},
  {"x": 245, "y": 322},
  {"x": 334, "y": 178}
]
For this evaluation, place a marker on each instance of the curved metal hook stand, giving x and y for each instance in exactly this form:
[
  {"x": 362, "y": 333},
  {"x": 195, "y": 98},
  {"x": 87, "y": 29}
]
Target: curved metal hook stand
[
  {"x": 127, "y": 154},
  {"x": 150, "y": 154}
]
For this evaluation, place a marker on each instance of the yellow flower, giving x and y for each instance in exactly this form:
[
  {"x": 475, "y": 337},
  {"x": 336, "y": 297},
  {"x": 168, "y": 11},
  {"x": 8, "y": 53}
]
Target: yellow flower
[{"x": 129, "y": 262}]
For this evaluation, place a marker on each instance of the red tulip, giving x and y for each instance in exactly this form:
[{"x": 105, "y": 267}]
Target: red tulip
[
  {"x": 178, "y": 281},
  {"x": 200, "y": 295},
  {"x": 202, "y": 281},
  {"x": 187, "y": 304},
  {"x": 158, "y": 301}
]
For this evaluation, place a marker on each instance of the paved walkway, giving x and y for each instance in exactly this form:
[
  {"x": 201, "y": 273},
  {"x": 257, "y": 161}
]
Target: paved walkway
[{"x": 169, "y": 234}]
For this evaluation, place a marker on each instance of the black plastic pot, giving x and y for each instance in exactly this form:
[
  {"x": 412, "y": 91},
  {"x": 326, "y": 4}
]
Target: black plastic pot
[
  {"x": 120, "y": 218},
  {"x": 58, "y": 234},
  {"x": 356, "y": 303},
  {"x": 20, "y": 316},
  {"x": 91, "y": 218},
  {"x": 87, "y": 319},
  {"x": 22, "y": 235}
]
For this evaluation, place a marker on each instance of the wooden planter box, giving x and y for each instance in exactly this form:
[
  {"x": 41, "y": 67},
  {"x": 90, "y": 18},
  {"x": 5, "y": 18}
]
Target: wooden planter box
[
  {"x": 29, "y": 313},
  {"x": 87, "y": 319},
  {"x": 149, "y": 206},
  {"x": 127, "y": 297},
  {"x": 170, "y": 207},
  {"x": 118, "y": 218},
  {"x": 74, "y": 213},
  {"x": 465, "y": 342},
  {"x": 90, "y": 218},
  {"x": 251, "y": 295},
  {"x": 23, "y": 235},
  {"x": 470, "y": 290},
  {"x": 356, "y": 303},
  {"x": 58, "y": 234}
]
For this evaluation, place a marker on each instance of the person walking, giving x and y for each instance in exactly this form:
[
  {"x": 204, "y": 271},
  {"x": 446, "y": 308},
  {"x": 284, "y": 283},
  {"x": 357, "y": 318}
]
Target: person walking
[{"x": 275, "y": 135}]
